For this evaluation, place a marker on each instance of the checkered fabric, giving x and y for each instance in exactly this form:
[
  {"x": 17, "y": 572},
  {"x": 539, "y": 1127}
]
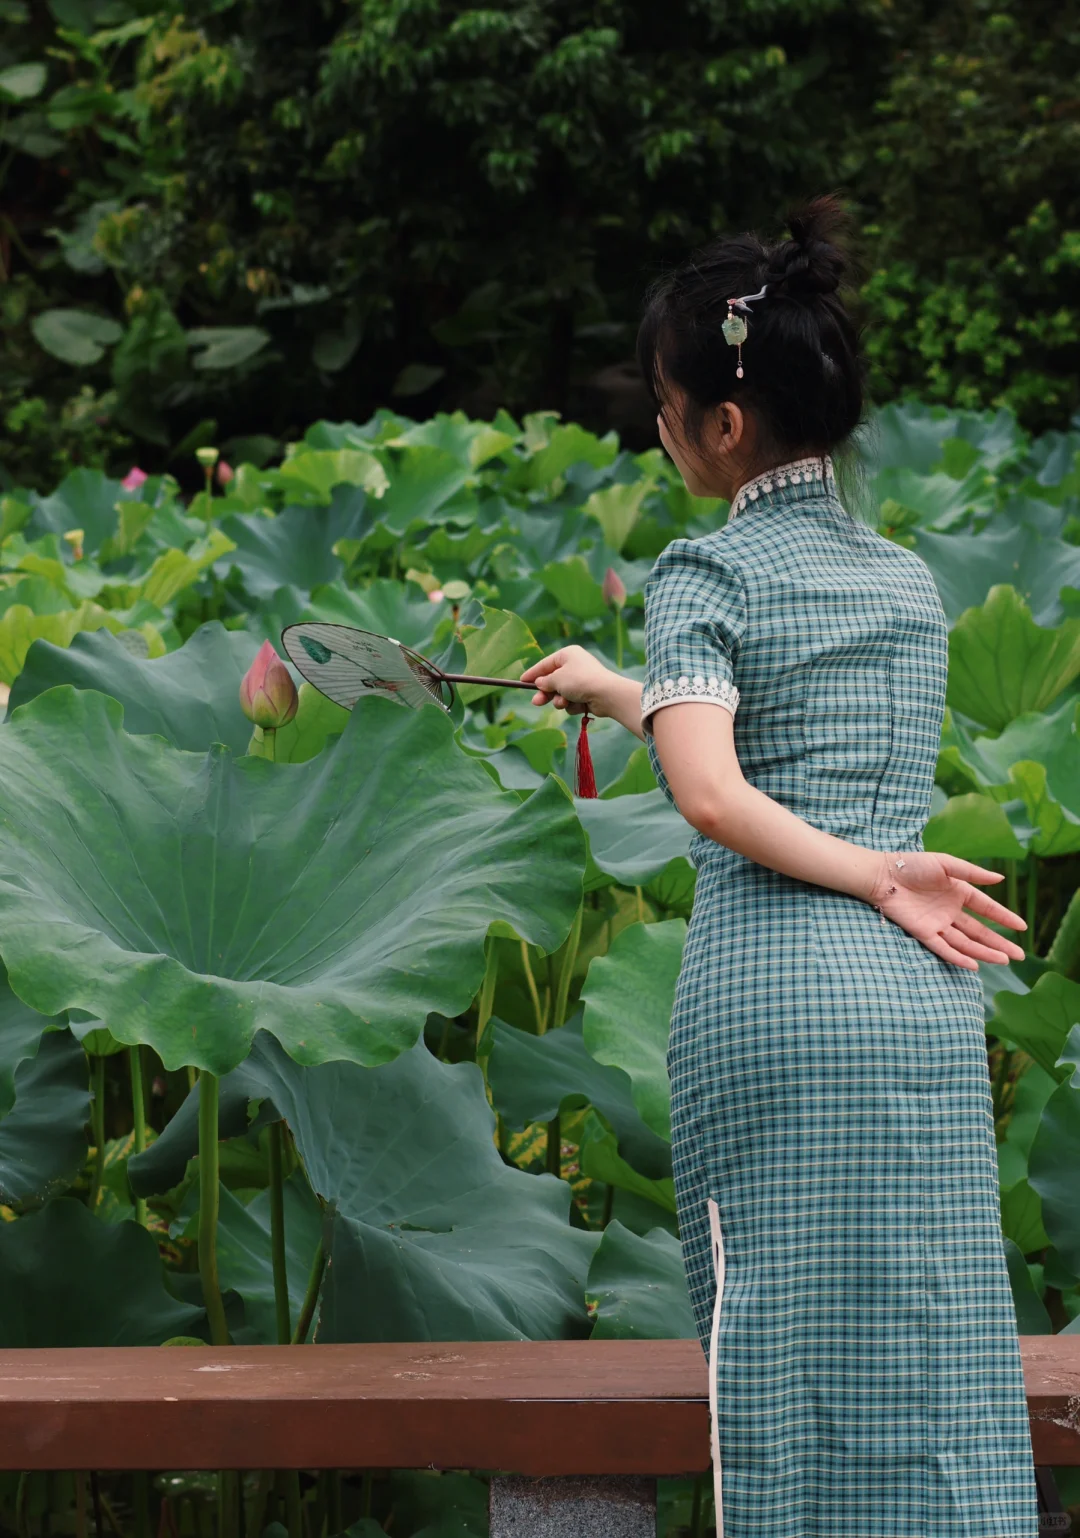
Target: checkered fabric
[{"x": 831, "y": 1104}]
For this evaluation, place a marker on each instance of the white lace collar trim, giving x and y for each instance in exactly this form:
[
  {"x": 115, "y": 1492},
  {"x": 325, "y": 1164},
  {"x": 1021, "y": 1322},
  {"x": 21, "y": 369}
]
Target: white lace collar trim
[{"x": 817, "y": 467}]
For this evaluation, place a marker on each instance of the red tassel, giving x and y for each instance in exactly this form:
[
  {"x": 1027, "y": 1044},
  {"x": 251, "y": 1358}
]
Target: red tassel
[{"x": 586, "y": 777}]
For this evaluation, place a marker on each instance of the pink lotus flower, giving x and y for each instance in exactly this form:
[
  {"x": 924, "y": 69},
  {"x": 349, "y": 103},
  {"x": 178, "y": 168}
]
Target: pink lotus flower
[
  {"x": 436, "y": 595},
  {"x": 268, "y": 695},
  {"x": 614, "y": 589},
  {"x": 225, "y": 473},
  {"x": 134, "y": 479}
]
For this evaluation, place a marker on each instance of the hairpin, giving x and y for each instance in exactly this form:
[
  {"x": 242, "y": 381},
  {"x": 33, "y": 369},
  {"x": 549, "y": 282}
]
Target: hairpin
[{"x": 735, "y": 327}]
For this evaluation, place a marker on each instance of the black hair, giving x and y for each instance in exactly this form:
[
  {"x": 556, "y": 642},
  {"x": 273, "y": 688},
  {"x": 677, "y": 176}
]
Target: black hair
[{"x": 803, "y": 368}]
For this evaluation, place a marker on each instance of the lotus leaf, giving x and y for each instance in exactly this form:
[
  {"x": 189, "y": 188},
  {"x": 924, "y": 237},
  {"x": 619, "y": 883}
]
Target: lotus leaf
[
  {"x": 43, "y": 1137},
  {"x": 68, "y": 1280},
  {"x": 335, "y": 903},
  {"x": 629, "y": 995},
  {"x": 191, "y": 697},
  {"x": 1002, "y": 664},
  {"x": 433, "y": 1237},
  {"x": 637, "y": 1287}
]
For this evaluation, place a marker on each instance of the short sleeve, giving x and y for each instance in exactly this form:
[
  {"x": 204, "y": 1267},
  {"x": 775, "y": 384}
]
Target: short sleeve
[{"x": 695, "y": 616}]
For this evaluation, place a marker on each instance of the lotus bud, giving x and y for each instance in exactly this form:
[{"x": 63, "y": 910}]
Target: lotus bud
[
  {"x": 134, "y": 479},
  {"x": 614, "y": 589},
  {"x": 268, "y": 695},
  {"x": 436, "y": 595},
  {"x": 75, "y": 537},
  {"x": 225, "y": 473}
]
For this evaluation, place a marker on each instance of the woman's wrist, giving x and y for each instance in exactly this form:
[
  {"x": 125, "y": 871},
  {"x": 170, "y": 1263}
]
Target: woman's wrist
[{"x": 621, "y": 701}]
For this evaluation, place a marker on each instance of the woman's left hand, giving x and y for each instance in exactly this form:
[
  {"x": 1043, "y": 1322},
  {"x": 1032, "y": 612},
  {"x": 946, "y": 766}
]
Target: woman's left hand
[{"x": 927, "y": 897}]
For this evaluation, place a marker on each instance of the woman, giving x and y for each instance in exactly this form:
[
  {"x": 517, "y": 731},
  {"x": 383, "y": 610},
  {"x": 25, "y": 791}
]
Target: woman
[{"x": 832, "y": 1128}]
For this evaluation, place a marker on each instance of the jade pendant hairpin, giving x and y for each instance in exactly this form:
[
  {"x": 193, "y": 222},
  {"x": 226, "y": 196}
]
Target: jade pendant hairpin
[{"x": 735, "y": 327}]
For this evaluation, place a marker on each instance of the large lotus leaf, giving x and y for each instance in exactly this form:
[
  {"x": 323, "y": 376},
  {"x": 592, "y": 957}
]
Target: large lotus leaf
[
  {"x": 433, "y": 1236},
  {"x": 245, "y": 1261},
  {"x": 913, "y": 434},
  {"x": 533, "y": 1077},
  {"x": 343, "y": 475},
  {"x": 636, "y": 1289},
  {"x": 191, "y": 697},
  {"x": 1040, "y": 1020},
  {"x": 601, "y": 1160},
  {"x": 938, "y": 501},
  {"x": 20, "y": 627},
  {"x": 423, "y": 479},
  {"x": 629, "y": 995},
  {"x": 68, "y": 1280},
  {"x": 632, "y": 838},
  {"x": 292, "y": 549},
  {"x": 1056, "y": 827},
  {"x": 84, "y": 499},
  {"x": 502, "y": 647},
  {"x": 1054, "y": 1170},
  {"x": 43, "y": 1136},
  {"x": 1021, "y": 1216},
  {"x": 472, "y": 443},
  {"x": 967, "y": 566},
  {"x": 574, "y": 588},
  {"x": 21, "y": 1030},
  {"x": 1001, "y": 664},
  {"x": 189, "y": 900},
  {"x": 552, "y": 448},
  {"x": 974, "y": 827},
  {"x": 1031, "y": 1315},
  {"x": 396, "y": 609},
  {"x": 38, "y": 593},
  {"x": 1045, "y": 737},
  {"x": 617, "y": 509}
]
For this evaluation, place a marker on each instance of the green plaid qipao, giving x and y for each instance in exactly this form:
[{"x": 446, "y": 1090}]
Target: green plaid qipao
[{"x": 833, "y": 1139}]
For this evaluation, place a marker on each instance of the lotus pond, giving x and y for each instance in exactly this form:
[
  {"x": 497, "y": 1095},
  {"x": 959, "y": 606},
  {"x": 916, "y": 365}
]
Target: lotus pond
[{"x": 375, "y": 988}]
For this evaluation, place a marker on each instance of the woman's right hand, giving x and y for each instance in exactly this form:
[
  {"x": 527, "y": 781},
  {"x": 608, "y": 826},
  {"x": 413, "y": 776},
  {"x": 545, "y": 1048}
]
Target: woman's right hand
[
  {"x": 573, "y": 680},
  {"x": 928, "y": 896}
]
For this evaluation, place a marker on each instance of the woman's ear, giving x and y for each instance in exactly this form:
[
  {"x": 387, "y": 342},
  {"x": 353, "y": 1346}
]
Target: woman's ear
[{"x": 731, "y": 425}]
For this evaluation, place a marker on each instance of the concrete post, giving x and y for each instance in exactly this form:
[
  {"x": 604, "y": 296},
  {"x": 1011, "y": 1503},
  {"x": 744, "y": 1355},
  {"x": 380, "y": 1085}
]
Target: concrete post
[{"x": 577, "y": 1506}]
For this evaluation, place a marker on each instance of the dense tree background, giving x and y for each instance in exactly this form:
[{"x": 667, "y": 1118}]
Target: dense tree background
[{"x": 219, "y": 224}]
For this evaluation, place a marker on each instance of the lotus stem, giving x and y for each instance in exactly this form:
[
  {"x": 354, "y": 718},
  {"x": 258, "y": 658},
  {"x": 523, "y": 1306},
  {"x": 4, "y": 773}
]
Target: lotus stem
[
  {"x": 138, "y": 1108},
  {"x": 1064, "y": 953},
  {"x": 566, "y": 969},
  {"x": 487, "y": 991},
  {"x": 311, "y": 1296},
  {"x": 618, "y": 639},
  {"x": 1032, "y": 907},
  {"x": 1012, "y": 886},
  {"x": 294, "y": 1518},
  {"x": 208, "y": 1208},
  {"x": 97, "y": 1127},
  {"x": 609, "y": 1203},
  {"x": 228, "y": 1503},
  {"x": 277, "y": 1234},
  {"x": 140, "y": 1499},
  {"x": 534, "y": 992}
]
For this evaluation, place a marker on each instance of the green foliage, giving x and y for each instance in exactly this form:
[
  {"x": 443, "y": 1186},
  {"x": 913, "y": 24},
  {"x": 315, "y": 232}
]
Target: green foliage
[{"x": 432, "y": 980}]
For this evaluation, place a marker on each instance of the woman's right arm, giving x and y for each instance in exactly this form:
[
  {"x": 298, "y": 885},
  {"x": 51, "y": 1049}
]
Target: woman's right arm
[{"x": 573, "y": 680}]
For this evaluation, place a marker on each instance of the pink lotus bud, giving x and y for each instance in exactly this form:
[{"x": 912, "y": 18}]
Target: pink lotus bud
[
  {"x": 267, "y": 693},
  {"x": 436, "y": 595},
  {"x": 225, "y": 473},
  {"x": 134, "y": 479},
  {"x": 614, "y": 589}
]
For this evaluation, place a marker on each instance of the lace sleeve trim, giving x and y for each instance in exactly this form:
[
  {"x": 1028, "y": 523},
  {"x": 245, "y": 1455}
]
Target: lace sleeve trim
[{"x": 684, "y": 690}]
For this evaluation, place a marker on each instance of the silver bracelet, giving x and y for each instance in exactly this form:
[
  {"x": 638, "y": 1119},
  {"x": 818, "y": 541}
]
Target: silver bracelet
[{"x": 880, "y": 911}]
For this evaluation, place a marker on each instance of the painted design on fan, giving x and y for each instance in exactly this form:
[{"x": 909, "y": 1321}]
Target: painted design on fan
[{"x": 315, "y": 649}]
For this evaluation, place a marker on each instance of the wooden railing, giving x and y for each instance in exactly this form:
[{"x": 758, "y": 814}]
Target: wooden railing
[{"x": 556, "y": 1409}]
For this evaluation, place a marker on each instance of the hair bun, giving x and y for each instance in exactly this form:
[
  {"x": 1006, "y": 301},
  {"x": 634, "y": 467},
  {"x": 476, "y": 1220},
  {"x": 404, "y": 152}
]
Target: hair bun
[{"x": 814, "y": 260}]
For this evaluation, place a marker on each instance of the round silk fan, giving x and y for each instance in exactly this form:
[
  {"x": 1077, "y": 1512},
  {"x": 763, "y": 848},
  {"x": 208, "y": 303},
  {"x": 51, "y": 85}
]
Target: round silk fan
[{"x": 346, "y": 664}]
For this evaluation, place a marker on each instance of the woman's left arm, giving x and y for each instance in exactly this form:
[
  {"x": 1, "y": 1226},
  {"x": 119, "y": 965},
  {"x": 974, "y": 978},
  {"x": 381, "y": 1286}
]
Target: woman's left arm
[{"x": 695, "y": 743}]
